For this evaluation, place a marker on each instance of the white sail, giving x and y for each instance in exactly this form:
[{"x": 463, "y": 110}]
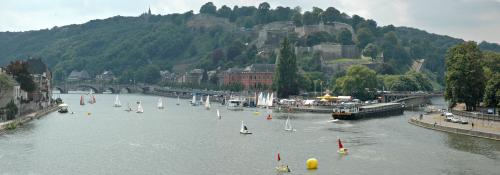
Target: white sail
[
  {"x": 242, "y": 127},
  {"x": 160, "y": 103},
  {"x": 128, "y": 107},
  {"x": 288, "y": 125},
  {"x": 177, "y": 99},
  {"x": 139, "y": 109},
  {"x": 194, "y": 98},
  {"x": 267, "y": 100},
  {"x": 260, "y": 100},
  {"x": 270, "y": 101},
  {"x": 117, "y": 102},
  {"x": 218, "y": 114},
  {"x": 207, "y": 103}
]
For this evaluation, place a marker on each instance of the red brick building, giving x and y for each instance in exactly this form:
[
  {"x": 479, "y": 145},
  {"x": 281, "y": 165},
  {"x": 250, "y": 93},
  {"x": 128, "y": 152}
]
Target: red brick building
[{"x": 251, "y": 76}]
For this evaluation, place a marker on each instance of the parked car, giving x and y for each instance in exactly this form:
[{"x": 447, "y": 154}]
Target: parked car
[
  {"x": 455, "y": 120},
  {"x": 489, "y": 111},
  {"x": 448, "y": 117},
  {"x": 463, "y": 121}
]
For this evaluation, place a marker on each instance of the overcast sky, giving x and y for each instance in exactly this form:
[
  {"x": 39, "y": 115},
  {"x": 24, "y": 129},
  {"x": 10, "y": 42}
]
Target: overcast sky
[{"x": 476, "y": 20}]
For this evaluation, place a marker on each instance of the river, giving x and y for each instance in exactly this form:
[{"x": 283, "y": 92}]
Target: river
[{"x": 191, "y": 140}]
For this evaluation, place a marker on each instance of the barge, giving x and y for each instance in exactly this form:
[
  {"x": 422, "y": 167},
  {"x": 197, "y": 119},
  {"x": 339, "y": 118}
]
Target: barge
[{"x": 355, "y": 111}]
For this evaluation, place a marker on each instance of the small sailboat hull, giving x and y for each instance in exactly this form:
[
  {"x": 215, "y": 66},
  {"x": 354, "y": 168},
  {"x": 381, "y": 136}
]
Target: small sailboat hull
[
  {"x": 282, "y": 169},
  {"x": 245, "y": 132}
]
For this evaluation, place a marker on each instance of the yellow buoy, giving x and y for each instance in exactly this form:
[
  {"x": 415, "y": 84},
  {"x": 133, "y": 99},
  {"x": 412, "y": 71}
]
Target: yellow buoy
[
  {"x": 256, "y": 113},
  {"x": 312, "y": 163},
  {"x": 89, "y": 113}
]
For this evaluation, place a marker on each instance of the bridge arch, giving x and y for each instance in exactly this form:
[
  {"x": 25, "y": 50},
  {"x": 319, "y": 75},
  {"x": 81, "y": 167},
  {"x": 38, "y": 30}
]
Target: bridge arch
[
  {"x": 91, "y": 86},
  {"x": 60, "y": 89}
]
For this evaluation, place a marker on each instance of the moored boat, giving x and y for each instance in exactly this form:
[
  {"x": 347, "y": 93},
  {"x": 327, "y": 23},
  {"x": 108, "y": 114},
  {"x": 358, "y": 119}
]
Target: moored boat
[{"x": 354, "y": 111}]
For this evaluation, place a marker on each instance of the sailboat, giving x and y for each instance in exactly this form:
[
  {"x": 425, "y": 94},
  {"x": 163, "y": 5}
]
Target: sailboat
[
  {"x": 82, "y": 101},
  {"x": 71, "y": 109},
  {"x": 128, "y": 107},
  {"x": 117, "y": 102},
  {"x": 280, "y": 167},
  {"x": 139, "y": 109},
  {"x": 288, "y": 126},
  {"x": 207, "y": 103},
  {"x": 160, "y": 104},
  {"x": 342, "y": 150},
  {"x": 91, "y": 97},
  {"x": 244, "y": 129},
  {"x": 193, "y": 102},
  {"x": 178, "y": 100},
  {"x": 270, "y": 101},
  {"x": 218, "y": 114}
]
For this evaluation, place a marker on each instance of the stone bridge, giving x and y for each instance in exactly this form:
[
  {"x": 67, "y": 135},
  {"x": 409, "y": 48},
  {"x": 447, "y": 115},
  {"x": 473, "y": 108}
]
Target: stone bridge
[
  {"x": 409, "y": 99},
  {"x": 100, "y": 87}
]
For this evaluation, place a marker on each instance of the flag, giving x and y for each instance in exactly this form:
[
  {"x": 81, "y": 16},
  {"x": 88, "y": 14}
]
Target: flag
[
  {"x": 279, "y": 157},
  {"x": 321, "y": 84}
]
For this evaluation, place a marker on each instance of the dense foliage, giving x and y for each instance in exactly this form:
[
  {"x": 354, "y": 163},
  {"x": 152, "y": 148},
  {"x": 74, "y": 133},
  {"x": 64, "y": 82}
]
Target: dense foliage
[
  {"x": 358, "y": 82},
  {"x": 286, "y": 70},
  {"x": 465, "y": 81}
]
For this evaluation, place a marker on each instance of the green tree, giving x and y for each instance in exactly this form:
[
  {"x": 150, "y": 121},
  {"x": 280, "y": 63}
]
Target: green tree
[
  {"x": 286, "y": 69},
  {"x": 356, "y": 80},
  {"x": 217, "y": 56},
  {"x": 224, "y": 11},
  {"x": 22, "y": 74},
  {"x": 402, "y": 57},
  {"x": 417, "y": 52},
  {"x": 392, "y": 37},
  {"x": 405, "y": 42},
  {"x": 388, "y": 49},
  {"x": 356, "y": 20},
  {"x": 364, "y": 37},
  {"x": 233, "y": 16},
  {"x": 6, "y": 85},
  {"x": 371, "y": 50},
  {"x": 304, "y": 82},
  {"x": 262, "y": 12},
  {"x": 214, "y": 79},
  {"x": 492, "y": 92},
  {"x": 59, "y": 74},
  {"x": 491, "y": 60},
  {"x": 344, "y": 37},
  {"x": 465, "y": 81},
  {"x": 297, "y": 19},
  {"x": 152, "y": 74},
  {"x": 307, "y": 18},
  {"x": 415, "y": 41},
  {"x": 331, "y": 14},
  {"x": 204, "y": 76},
  {"x": 337, "y": 75},
  {"x": 405, "y": 83},
  {"x": 423, "y": 81},
  {"x": 249, "y": 23},
  {"x": 293, "y": 37},
  {"x": 209, "y": 8},
  {"x": 385, "y": 69},
  {"x": 192, "y": 50}
]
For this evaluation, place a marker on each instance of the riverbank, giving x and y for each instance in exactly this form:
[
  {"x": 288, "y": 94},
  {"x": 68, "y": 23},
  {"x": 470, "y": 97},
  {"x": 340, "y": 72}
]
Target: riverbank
[
  {"x": 27, "y": 118},
  {"x": 436, "y": 122}
]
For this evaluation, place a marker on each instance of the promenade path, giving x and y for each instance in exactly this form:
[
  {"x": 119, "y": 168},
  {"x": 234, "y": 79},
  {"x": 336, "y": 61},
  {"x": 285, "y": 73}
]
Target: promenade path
[
  {"x": 428, "y": 121},
  {"x": 28, "y": 117}
]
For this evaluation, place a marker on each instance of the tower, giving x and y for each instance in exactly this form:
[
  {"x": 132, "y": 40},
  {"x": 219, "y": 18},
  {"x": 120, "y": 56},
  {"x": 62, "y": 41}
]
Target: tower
[{"x": 149, "y": 11}]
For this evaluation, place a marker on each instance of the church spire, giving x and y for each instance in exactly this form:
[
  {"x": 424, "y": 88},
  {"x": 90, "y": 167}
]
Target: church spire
[{"x": 149, "y": 11}]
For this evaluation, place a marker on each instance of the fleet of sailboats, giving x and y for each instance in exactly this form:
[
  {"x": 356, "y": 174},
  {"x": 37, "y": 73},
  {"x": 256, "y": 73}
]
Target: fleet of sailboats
[
  {"x": 194, "y": 102},
  {"x": 117, "y": 102},
  {"x": 160, "y": 104}
]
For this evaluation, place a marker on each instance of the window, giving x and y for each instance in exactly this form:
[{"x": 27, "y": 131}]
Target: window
[
  {"x": 232, "y": 77},
  {"x": 240, "y": 77},
  {"x": 250, "y": 86},
  {"x": 268, "y": 77},
  {"x": 251, "y": 77},
  {"x": 255, "y": 77}
]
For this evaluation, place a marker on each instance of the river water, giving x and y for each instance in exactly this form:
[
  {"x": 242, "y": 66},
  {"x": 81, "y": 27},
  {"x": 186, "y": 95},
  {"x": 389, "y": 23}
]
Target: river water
[{"x": 191, "y": 140}]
